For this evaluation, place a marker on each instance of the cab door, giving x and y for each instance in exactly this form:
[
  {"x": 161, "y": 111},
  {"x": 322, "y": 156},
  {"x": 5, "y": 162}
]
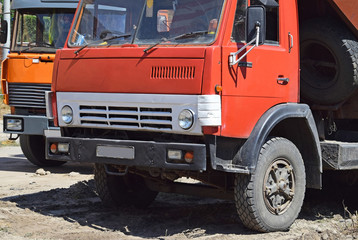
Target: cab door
[{"x": 268, "y": 75}]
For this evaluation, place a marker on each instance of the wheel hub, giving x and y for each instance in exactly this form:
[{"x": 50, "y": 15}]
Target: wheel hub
[{"x": 279, "y": 186}]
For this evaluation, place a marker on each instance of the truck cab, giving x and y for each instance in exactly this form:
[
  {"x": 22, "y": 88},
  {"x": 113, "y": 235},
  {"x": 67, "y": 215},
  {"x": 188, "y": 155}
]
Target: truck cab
[
  {"x": 39, "y": 29},
  {"x": 204, "y": 89}
]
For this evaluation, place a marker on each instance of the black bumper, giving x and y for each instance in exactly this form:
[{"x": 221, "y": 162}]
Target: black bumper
[
  {"x": 148, "y": 154},
  {"x": 31, "y": 125}
]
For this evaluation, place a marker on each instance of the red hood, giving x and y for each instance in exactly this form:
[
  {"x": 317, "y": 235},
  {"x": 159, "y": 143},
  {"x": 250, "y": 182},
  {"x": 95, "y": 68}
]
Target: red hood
[{"x": 171, "y": 70}]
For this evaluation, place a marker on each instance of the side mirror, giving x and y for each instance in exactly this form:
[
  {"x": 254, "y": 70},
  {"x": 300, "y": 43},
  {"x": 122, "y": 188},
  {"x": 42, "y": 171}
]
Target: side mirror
[
  {"x": 3, "y": 31},
  {"x": 255, "y": 34},
  {"x": 256, "y": 17}
]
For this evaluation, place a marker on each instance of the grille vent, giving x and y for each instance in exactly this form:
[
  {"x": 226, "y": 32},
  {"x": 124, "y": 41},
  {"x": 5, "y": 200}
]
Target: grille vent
[
  {"x": 126, "y": 117},
  {"x": 28, "y": 95},
  {"x": 161, "y": 72}
]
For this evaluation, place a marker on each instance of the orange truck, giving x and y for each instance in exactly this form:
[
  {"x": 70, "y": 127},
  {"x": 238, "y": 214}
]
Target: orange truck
[
  {"x": 40, "y": 28},
  {"x": 254, "y": 99}
]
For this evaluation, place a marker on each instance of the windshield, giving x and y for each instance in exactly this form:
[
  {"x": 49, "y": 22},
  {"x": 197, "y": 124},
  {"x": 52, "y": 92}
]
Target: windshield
[
  {"x": 41, "y": 30},
  {"x": 146, "y": 22}
]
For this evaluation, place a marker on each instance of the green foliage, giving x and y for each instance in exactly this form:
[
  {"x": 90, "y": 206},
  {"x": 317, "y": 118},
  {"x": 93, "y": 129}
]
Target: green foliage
[
  {"x": 29, "y": 34},
  {"x": 47, "y": 27},
  {"x": 30, "y": 27}
]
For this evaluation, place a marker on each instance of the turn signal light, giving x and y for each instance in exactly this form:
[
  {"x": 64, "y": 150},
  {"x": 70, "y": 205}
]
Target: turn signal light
[
  {"x": 53, "y": 148},
  {"x": 218, "y": 89},
  {"x": 189, "y": 157}
]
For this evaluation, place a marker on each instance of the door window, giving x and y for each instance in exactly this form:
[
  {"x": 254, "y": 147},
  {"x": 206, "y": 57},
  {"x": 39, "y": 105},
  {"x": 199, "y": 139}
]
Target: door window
[{"x": 272, "y": 20}]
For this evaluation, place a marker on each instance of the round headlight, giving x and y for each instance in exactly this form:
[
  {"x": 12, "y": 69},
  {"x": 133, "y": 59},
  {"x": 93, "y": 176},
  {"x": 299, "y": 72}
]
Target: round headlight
[
  {"x": 67, "y": 114},
  {"x": 186, "y": 119}
]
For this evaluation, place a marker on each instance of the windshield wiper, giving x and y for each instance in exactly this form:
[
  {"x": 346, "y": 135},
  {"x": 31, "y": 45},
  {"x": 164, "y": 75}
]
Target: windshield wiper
[
  {"x": 155, "y": 44},
  {"x": 190, "y": 35},
  {"x": 181, "y": 36},
  {"x": 102, "y": 40}
]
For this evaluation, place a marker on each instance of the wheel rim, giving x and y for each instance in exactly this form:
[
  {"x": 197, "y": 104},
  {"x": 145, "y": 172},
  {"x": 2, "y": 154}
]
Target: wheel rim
[
  {"x": 279, "y": 186},
  {"x": 319, "y": 63}
]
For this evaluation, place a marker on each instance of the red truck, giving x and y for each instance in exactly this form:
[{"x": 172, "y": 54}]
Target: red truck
[{"x": 157, "y": 90}]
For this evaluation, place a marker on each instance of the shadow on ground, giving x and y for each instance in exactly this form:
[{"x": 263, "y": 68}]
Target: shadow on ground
[
  {"x": 170, "y": 214},
  {"x": 337, "y": 194},
  {"x": 18, "y": 163}
]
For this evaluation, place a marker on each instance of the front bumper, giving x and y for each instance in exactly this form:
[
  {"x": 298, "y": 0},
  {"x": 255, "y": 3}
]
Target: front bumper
[
  {"x": 147, "y": 154},
  {"x": 27, "y": 125}
]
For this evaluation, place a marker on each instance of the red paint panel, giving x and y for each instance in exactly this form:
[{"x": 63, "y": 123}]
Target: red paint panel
[
  {"x": 240, "y": 114},
  {"x": 249, "y": 92},
  {"x": 212, "y": 70},
  {"x": 121, "y": 74},
  {"x": 135, "y": 52}
]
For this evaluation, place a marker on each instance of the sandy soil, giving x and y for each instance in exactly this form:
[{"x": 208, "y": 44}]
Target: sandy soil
[
  {"x": 61, "y": 203},
  {"x": 4, "y": 109}
]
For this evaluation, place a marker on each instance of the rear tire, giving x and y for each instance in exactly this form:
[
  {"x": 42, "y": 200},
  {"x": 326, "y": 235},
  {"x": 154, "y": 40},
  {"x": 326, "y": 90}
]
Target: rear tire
[
  {"x": 116, "y": 191},
  {"x": 271, "y": 198},
  {"x": 33, "y": 147},
  {"x": 329, "y": 56}
]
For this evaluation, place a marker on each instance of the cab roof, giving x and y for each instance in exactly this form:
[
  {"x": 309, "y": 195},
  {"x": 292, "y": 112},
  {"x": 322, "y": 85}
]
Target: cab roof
[{"x": 21, "y": 4}]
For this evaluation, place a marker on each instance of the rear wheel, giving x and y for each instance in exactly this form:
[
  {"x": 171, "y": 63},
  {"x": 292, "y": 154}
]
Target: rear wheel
[
  {"x": 329, "y": 55},
  {"x": 271, "y": 198},
  {"x": 115, "y": 190},
  {"x": 33, "y": 147}
]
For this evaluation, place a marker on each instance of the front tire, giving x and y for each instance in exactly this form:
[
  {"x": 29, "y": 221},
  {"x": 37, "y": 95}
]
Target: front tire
[
  {"x": 117, "y": 191},
  {"x": 33, "y": 147},
  {"x": 271, "y": 198}
]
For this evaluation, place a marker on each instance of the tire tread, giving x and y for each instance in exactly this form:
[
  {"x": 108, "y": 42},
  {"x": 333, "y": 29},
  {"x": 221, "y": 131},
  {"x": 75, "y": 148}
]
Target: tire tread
[{"x": 244, "y": 196}]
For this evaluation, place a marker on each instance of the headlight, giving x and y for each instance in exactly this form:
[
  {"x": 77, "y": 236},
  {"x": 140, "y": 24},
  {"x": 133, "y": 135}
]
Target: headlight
[
  {"x": 186, "y": 119},
  {"x": 67, "y": 114},
  {"x": 12, "y": 124}
]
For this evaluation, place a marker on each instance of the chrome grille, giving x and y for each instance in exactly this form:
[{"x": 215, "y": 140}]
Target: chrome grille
[
  {"x": 173, "y": 72},
  {"x": 126, "y": 117},
  {"x": 139, "y": 112},
  {"x": 28, "y": 95}
]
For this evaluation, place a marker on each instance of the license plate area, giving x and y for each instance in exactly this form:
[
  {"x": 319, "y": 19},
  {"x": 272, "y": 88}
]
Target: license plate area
[{"x": 121, "y": 152}]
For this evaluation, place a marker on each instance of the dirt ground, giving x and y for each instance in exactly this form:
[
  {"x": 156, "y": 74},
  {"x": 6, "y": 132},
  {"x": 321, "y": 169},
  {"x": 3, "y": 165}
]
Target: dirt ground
[
  {"x": 4, "y": 109},
  {"x": 61, "y": 203}
]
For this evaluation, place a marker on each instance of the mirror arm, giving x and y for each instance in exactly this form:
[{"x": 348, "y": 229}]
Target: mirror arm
[{"x": 232, "y": 58}]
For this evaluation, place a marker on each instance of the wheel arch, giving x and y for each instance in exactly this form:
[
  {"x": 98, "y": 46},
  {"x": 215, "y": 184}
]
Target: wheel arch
[{"x": 294, "y": 122}]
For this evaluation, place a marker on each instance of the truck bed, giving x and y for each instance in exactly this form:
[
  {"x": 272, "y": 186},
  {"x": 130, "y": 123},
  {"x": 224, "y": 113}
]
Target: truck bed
[{"x": 347, "y": 9}]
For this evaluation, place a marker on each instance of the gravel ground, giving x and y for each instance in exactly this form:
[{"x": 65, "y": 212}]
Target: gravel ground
[{"x": 61, "y": 203}]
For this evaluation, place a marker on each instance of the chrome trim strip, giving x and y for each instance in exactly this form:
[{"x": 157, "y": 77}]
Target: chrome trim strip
[
  {"x": 48, "y": 101},
  {"x": 142, "y": 112}
]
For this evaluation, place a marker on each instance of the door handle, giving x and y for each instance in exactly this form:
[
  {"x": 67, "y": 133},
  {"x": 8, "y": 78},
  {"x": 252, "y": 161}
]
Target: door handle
[
  {"x": 291, "y": 42},
  {"x": 283, "y": 81}
]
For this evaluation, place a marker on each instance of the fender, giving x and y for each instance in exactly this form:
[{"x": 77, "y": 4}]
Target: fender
[{"x": 248, "y": 154}]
